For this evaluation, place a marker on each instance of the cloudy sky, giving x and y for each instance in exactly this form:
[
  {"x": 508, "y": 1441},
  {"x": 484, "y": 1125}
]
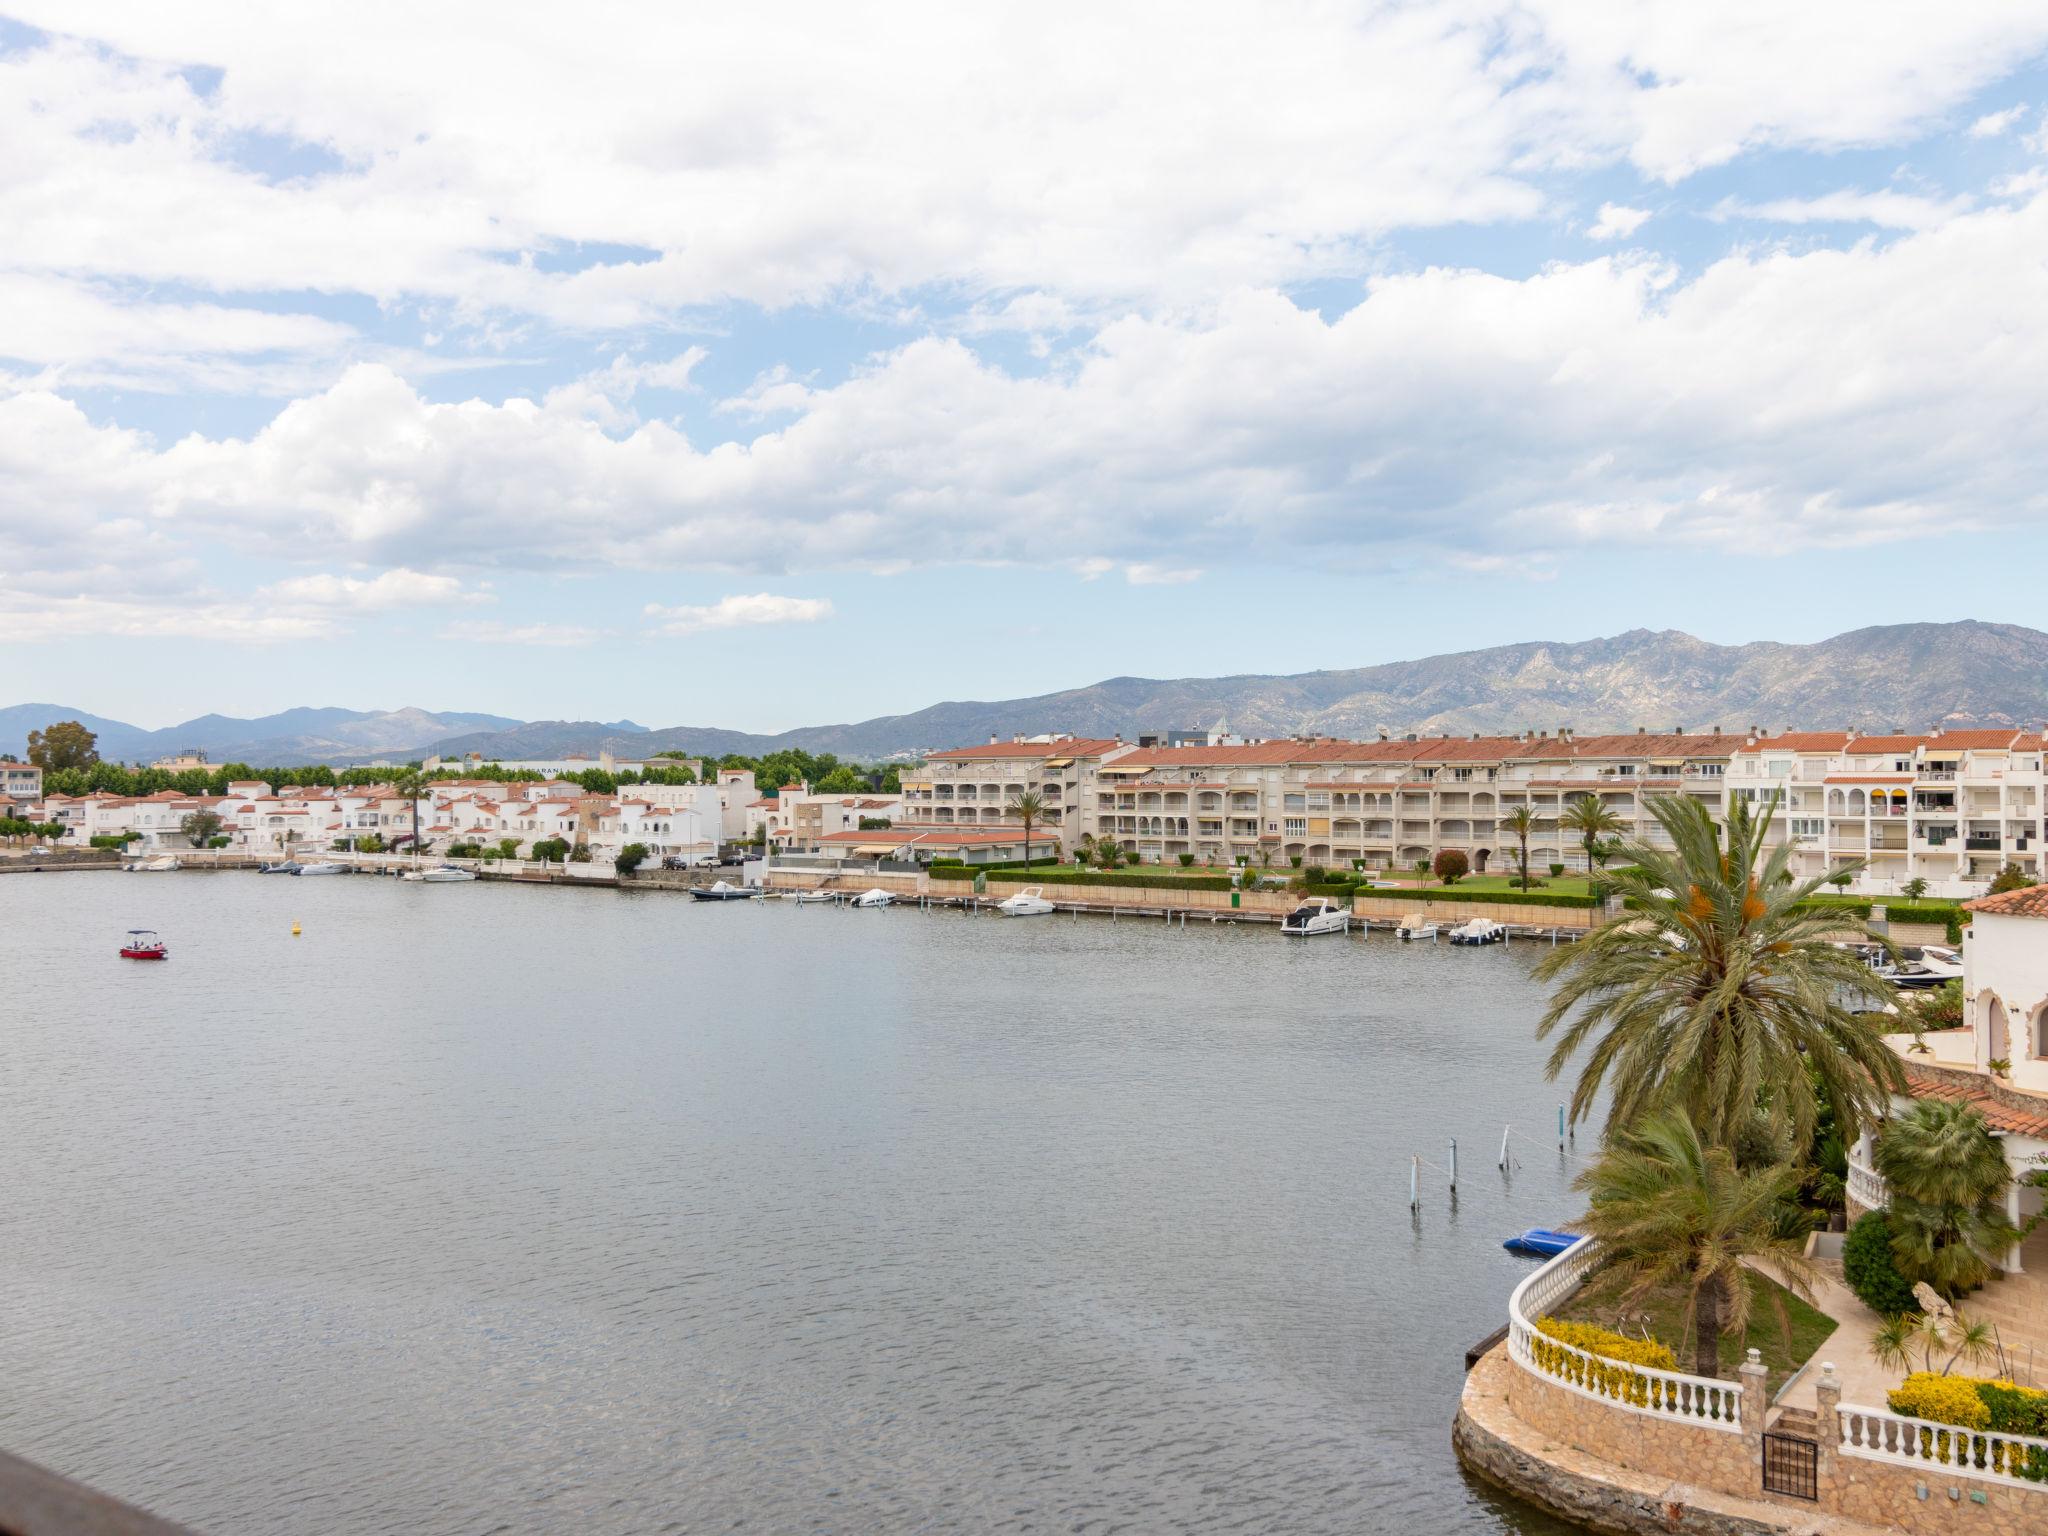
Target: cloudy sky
[{"x": 633, "y": 361}]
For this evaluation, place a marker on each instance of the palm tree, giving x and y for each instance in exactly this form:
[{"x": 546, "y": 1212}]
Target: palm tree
[
  {"x": 1028, "y": 806},
  {"x": 1592, "y": 821},
  {"x": 1948, "y": 1183},
  {"x": 412, "y": 783},
  {"x": 1913, "y": 889},
  {"x": 1107, "y": 851},
  {"x": 1671, "y": 1212},
  {"x": 1519, "y": 824},
  {"x": 1714, "y": 992}
]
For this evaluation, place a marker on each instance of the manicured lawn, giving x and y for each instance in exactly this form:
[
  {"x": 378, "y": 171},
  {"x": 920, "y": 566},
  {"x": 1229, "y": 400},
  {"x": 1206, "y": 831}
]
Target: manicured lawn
[{"x": 1662, "y": 1314}]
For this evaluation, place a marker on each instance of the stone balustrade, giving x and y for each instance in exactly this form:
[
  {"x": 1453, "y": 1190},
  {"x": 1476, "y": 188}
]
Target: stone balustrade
[
  {"x": 1702, "y": 1401},
  {"x": 1880, "y": 1435}
]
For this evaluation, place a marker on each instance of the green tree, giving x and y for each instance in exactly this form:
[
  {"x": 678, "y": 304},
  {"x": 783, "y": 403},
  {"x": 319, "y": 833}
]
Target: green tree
[
  {"x": 508, "y": 847},
  {"x": 1451, "y": 865},
  {"x": 199, "y": 827},
  {"x": 1521, "y": 823},
  {"x": 842, "y": 780},
  {"x": 1673, "y": 1213},
  {"x": 1027, "y": 807},
  {"x": 63, "y": 744},
  {"x": 1592, "y": 821},
  {"x": 2010, "y": 878},
  {"x": 409, "y": 784},
  {"x": 1948, "y": 1181},
  {"x": 1715, "y": 993},
  {"x": 1913, "y": 889},
  {"x": 1843, "y": 875},
  {"x": 630, "y": 858},
  {"x": 551, "y": 850}
]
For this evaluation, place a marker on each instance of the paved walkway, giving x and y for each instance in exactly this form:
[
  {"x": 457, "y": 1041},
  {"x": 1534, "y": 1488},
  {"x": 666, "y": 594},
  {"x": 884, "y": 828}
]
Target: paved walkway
[{"x": 1847, "y": 1349}]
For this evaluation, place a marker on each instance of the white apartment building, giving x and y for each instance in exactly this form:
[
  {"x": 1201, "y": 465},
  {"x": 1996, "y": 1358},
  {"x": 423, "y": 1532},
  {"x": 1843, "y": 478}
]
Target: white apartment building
[
  {"x": 974, "y": 786},
  {"x": 22, "y": 783},
  {"x": 1951, "y": 807},
  {"x": 1390, "y": 803}
]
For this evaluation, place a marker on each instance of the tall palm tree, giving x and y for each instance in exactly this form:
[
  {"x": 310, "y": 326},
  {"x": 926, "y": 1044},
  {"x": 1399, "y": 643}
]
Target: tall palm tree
[
  {"x": 1592, "y": 821},
  {"x": 1519, "y": 824},
  {"x": 1714, "y": 992},
  {"x": 1948, "y": 1183},
  {"x": 1028, "y": 806},
  {"x": 412, "y": 783},
  {"x": 1671, "y": 1212}
]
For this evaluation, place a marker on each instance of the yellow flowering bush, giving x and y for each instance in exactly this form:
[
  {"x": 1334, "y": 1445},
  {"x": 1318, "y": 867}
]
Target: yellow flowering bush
[
  {"x": 1616, "y": 1381},
  {"x": 1943, "y": 1399}
]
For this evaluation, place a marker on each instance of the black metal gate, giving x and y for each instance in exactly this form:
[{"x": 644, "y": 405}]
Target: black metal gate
[{"x": 1791, "y": 1466}]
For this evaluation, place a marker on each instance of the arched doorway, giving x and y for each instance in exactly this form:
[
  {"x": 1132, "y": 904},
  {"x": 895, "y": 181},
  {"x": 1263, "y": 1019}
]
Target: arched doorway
[
  {"x": 1479, "y": 858},
  {"x": 1999, "y": 1033}
]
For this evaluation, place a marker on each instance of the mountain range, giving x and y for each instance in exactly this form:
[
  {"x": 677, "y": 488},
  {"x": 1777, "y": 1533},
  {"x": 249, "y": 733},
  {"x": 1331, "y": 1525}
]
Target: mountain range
[{"x": 1893, "y": 677}]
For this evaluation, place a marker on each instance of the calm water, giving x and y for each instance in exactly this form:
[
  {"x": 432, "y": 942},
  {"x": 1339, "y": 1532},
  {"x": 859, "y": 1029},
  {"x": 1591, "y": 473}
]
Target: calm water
[{"x": 478, "y": 1209}]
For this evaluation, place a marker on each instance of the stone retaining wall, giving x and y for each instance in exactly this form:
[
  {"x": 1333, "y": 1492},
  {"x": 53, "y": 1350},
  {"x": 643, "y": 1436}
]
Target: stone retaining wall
[
  {"x": 60, "y": 858},
  {"x": 1448, "y": 914}
]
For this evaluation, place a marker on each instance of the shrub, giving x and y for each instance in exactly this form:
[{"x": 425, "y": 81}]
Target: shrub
[
  {"x": 1608, "y": 1344},
  {"x": 1451, "y": 866},
  {"x": 1943, "y": 1399},
  {"x": 1422, "y": 866},
  {"x": 2015, "y": 1410},
  {"x": 1615, "y": 1381},
  {"x": 580, "y": 854},
  {"x": 1868, "y": 1266},
  {"x": 1556, "y": 870},
  {"x": 1295, "y": 860},
  {"x": 2011, "y": 878},
  {"x": 218, "y": 841},
  {"x": 464, "y": 851},
  {"x": 551, "y": 850},
  {"x": 630, "y": 858},
  {"x": 1315, "y": 874},
  {"x": 1187, "y": 861},
  {"x": 118, "y": 840}
]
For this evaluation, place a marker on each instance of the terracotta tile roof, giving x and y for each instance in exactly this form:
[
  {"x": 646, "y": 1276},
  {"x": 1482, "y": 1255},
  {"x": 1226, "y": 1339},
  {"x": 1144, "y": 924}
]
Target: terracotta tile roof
[
  {"x": 1981, "y": 740},
  {"x": 1799, "y": 741},
  {"x": 2000, "y": 1117},
  {"x": 1887, "y": 743},
  {"x": 2032, "y": 901},
  {"x": 1092, "y": 746}
]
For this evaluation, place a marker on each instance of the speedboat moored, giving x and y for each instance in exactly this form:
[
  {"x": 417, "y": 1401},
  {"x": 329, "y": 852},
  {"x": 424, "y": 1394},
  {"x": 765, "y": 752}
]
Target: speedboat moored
[
  {"x": 1318, "y": 915},
  {"x": 1029, "y": 902},
  {"x": 721, "y": 891},
  {"x": 321, "y": 869},
  {"x": 875, "y": 898},
  {"x": 1416, "y": 925}
]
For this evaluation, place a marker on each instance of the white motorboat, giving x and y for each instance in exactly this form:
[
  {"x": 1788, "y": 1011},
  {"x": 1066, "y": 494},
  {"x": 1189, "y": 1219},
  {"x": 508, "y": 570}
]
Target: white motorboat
[
  {"x": 805, "y": 896},
  {"x": 155, "y": 866},
  {"x": 1480, "y": 930},
  {"x": 1029, "y": 902},
  {"x": 875, "y": 898},
  {"x": 443, "y": 874},
  {"x": 322, "y": 869},
  {"x": 1416, "y": 925},
  {"x": 1318, "y": 915},
  {"x": 1927, "y": 965},
  {"x": 286, "y": 867}
]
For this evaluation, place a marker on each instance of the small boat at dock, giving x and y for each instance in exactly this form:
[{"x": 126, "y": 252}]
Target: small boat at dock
[
  {"x": 154, "y": 866},
  {"x": 807, "y": 896},
  {"x": 1480, "y": 930},
  {"x": 874, "y": 898},
  {"x": 282, "y": 867},
  {"x": 1416, "y": 925},
  {"x": 1029, "y": 902},
  {"x": 721, "y": 891},
  {"x": 1540, "y": 1242},
  {"x": 321, "y": 869},
  {"x": 445, "y": 874},
  {"x": 1318, "y": 915},
  {"x": 143, "y": 944}
]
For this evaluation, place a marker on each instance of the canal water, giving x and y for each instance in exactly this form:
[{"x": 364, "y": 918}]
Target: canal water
[{"x": 477, "y": 1208}]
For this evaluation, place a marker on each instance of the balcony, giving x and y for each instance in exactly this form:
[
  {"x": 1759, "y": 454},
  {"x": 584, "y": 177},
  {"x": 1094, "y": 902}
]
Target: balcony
[{"x": 1979, "y": 843}]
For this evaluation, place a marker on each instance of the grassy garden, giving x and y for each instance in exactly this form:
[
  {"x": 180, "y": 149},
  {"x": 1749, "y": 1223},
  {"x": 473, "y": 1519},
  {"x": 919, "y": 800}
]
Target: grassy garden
[{"x": 1783, "y": 1328}]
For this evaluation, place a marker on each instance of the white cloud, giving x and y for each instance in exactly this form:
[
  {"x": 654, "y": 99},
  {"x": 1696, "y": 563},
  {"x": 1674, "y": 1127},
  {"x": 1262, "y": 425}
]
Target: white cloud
[
  {"x": 624, "y": 170},
  {"x": 1992, "y": 124},
  {"x": 1827, "y": 397},
  {"x": 490, "y": 632},
  {"x": 739, "y": 612},
  {"x": 1889, "y": 210},
  {"x": 1617, "y": 223},
  {"x": 33, "y": 618},
  {"x": 1143, "y": 574},
  {"x": 398, "y": 588}
]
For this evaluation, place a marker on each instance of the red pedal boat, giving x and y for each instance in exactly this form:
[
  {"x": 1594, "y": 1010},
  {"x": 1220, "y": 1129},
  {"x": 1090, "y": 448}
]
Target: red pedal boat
[{"x": 143, "y": 944}]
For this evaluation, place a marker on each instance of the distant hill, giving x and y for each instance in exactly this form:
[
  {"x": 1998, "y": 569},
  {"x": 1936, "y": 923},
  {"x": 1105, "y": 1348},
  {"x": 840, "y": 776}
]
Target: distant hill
[
  {"x": 1900, "y": 676},
  {"x": 303, "y": 735}
]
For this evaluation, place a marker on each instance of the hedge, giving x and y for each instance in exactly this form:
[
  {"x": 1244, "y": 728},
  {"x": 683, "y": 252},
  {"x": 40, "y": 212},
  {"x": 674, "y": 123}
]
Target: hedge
[
  {"x": 1944, "y": 1399},
  {"x": 1895, "y": 911},
  {"x": 1550, "y": 1351},
  {"x": 1596, "y": 1340},
  {"x": 1497, "y": 898},
  {"x": 1061, "y": 874}
]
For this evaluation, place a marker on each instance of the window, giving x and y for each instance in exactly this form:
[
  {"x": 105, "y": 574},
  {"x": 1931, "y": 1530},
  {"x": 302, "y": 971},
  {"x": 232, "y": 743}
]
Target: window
[{"x": 1297, "y": 827}]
